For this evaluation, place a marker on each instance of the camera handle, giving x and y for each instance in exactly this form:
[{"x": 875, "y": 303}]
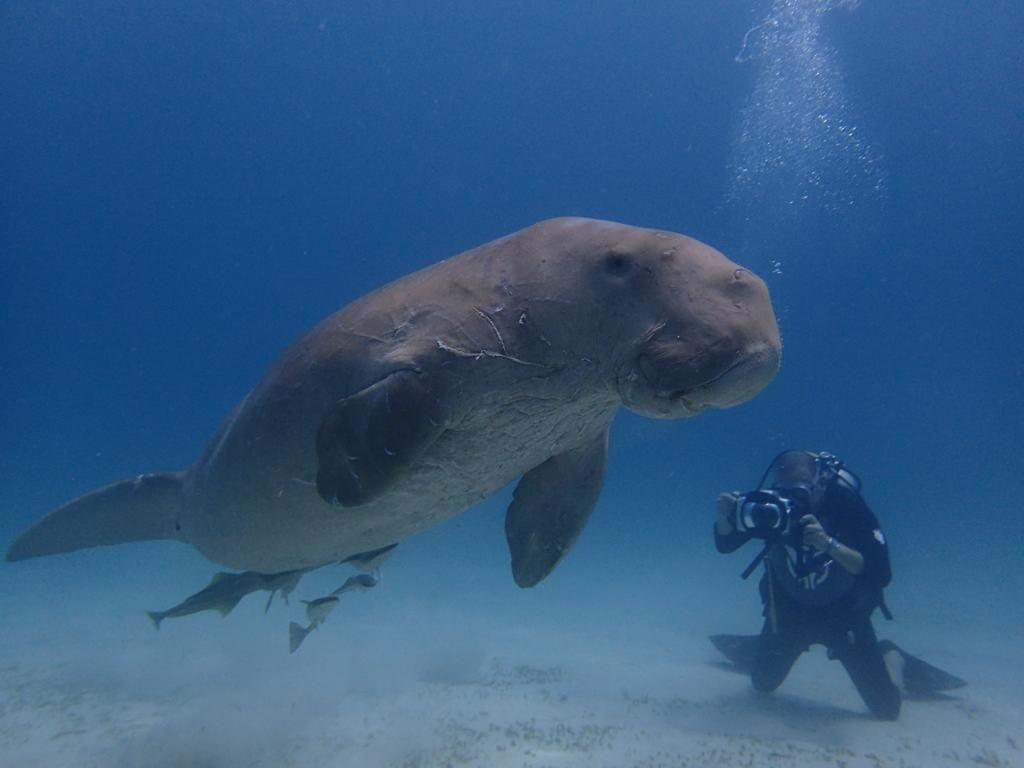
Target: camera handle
[{"x": 756, "y": 561}]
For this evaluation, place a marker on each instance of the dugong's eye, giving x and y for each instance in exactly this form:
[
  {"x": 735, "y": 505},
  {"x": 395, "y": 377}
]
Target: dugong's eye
[{"x": 617, "y": 264}]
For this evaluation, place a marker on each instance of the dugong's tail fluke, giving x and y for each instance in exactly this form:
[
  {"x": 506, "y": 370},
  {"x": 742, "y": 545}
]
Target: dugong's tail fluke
[{"x": 141, "y": 509}]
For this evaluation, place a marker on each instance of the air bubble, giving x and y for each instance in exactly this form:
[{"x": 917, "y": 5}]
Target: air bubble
[{"x": 798, "y": 140}]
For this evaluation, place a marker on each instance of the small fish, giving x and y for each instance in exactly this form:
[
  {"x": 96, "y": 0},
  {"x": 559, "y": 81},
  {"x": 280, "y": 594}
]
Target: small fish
[
  {"x": 358, "y": 582},
  {"x": 316, "y": 613},
  {"x": 318, "y": 610},
  {"x": 370, "y": 561},
  {"x": 225, "y": 591}
]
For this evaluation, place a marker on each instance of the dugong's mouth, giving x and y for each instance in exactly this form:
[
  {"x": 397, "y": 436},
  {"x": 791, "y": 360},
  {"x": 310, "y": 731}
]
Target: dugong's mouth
[
  {"x": 737, "y": 383},
  {"x": 696, "y": 399},
  {"x": 678, "y": 386}
]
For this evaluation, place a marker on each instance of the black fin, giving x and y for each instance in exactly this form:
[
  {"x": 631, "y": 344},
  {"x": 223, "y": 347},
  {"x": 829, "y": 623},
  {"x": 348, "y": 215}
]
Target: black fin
[
  {"x": 741, "y": 650},
  {"x": 920, "y": 677},
  {"x": 550, "y": 507},
  {"x": 367, "y": 440}
]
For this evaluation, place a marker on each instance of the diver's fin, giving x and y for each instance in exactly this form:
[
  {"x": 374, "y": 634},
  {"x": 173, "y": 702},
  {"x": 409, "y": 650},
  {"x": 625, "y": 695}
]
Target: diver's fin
[
  {"x": 156, "y": 617},
  {"x": 918, "y": 676},
  {"x": 140, "y": 509},
  {"x": 296, "y": 634},
  {"x": 549, "y": 508},
  {"x": 741, "y": 650}
]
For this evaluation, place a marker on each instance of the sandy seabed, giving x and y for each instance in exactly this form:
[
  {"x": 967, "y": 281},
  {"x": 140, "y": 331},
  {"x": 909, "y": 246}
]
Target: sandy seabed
[{"x": 409, "y": 677}]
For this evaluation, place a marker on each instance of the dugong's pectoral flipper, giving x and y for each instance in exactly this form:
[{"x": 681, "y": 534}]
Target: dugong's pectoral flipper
[
  {"x": 141, "y": 509},
  {"x": 367, "y": 440},
  {"x": 549, "y": 508}
]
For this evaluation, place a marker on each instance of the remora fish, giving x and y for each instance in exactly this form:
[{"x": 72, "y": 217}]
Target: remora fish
[
  {"x": 316, "y": 612},
  {"x": 225, "y": 591},
  {"x": 360, "y": 582},
  {"x": 370, "y": 561}
]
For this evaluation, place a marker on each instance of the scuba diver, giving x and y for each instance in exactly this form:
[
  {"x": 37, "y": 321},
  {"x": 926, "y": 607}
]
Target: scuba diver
[{"x": 826, "y": 564}]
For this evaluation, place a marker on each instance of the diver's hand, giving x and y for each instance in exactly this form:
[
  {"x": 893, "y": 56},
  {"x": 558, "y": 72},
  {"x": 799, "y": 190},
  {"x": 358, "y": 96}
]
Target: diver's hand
[
  {"x": 726, "y": 507},
  {"x": 814, "y": 534}
]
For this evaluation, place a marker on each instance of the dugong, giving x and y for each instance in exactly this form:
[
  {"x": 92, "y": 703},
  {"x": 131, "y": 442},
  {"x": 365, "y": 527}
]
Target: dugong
[{"x": 431, "y": 393}]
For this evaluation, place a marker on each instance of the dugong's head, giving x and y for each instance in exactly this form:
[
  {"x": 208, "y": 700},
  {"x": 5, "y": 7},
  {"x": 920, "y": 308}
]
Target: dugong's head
[{"x": 682, "y": 327}]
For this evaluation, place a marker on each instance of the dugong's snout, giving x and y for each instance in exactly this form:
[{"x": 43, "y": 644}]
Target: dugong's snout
[
  {"x": 717, "y": 354},
  {"x": 738, "y": 382},
  {"x": 684, "y": 386}
]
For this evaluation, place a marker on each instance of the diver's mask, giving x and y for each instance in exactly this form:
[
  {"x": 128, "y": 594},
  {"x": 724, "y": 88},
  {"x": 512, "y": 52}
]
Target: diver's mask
[{"x": 799, "y": 495}]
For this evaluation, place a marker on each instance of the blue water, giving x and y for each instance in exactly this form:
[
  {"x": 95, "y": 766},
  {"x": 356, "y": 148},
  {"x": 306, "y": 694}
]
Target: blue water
[{"x": 186, "y": 189}]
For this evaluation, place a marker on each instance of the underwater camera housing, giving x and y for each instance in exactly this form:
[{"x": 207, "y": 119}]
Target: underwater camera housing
[{"x": 767, "y": 514}]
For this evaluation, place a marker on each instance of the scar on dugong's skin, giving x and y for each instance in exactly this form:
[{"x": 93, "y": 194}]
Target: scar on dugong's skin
[{"x": 433, "y": 392}]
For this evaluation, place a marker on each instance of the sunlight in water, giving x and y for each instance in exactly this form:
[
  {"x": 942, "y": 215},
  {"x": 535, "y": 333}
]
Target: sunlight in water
[{"x": 798, "y": 146}]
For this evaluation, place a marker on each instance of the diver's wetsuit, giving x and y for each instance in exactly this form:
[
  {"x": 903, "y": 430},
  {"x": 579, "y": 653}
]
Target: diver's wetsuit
[{"x": 833, "y": 607}]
